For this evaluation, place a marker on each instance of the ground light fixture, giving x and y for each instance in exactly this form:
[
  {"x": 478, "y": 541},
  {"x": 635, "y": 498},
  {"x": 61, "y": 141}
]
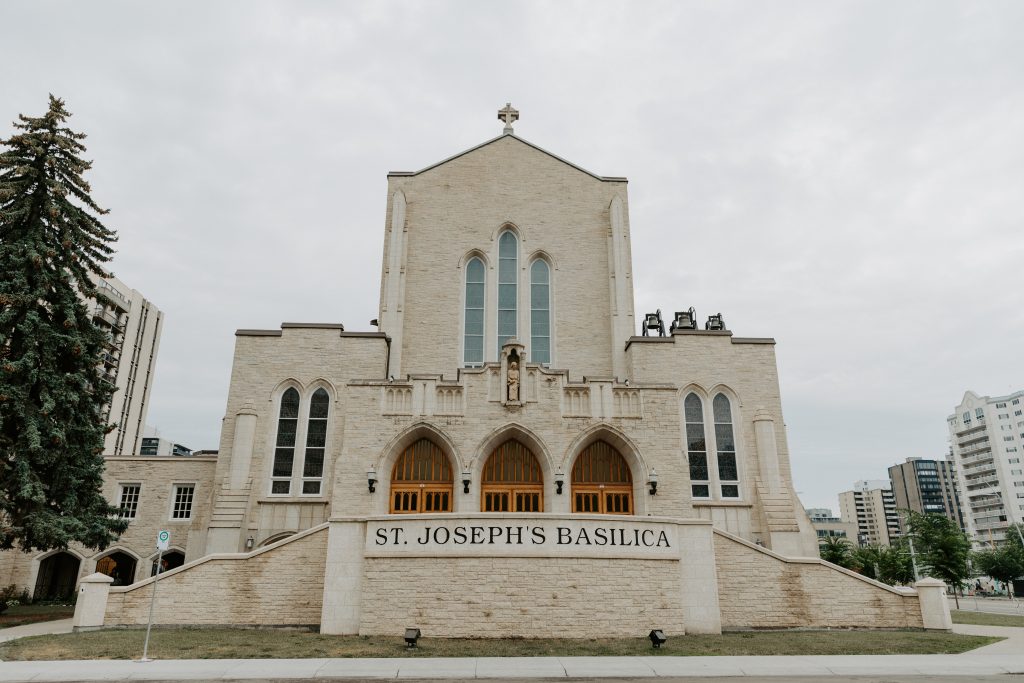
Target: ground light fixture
[
  {"x": 652, "y": 481},
  {"x": 657, "y": 637},
  {"x": 413, "y": 634},
  {"x": 371, "y": 479}
]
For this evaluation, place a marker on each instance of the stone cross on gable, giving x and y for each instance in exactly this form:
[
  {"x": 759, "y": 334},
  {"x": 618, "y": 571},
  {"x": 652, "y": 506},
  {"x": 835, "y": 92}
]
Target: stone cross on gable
[{"x": 508, "y": 115}]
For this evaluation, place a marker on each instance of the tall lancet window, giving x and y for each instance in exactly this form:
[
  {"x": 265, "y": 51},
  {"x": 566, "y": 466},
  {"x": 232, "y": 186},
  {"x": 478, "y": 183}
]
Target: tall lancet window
[
  {"x": 696, "y": 447},
  {"x": 284, "y": 451},
  {"x": 725, "y": 445},
  {"x": 316, "y": 442},
  {"x": 540, "y": 312},
  {"x": 508, "y": 250},
  {"x": 473, "y": 341}
]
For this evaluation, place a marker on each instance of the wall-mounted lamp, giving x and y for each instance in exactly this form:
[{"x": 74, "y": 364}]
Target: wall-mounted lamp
[
  {"x": 467, "y": 477},
  {"x": 371, "y": 479},
  {"x": 559, "y": 482},
  {"x": 652, "y": 481},
  {"x": 249, "y": 543}
]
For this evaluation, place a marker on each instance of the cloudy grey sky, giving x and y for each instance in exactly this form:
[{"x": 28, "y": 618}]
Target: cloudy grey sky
[{"x": 847, "y": 177}]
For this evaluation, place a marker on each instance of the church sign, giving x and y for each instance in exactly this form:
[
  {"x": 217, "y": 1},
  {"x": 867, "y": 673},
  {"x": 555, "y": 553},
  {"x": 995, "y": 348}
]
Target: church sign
[{"x": 519, "y": 536}]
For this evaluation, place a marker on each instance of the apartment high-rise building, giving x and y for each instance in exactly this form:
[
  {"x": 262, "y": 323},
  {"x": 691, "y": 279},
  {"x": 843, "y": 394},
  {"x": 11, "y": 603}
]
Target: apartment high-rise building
[
  {"x": 926, "y": 486},
  {"x": 986, "y": 437},
  {"x": 826, "y": 524},
  {"x": 133, "y": 327},
  {"x": 872, "y": 507}
]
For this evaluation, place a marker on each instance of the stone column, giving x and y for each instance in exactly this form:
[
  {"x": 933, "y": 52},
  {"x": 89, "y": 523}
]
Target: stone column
[
  {"x": 242, "y": 445},
  {"x": 767, "y": 450},
  {"x": 699, "y": 578},
  {"x": 935, "y": 614},
  {"x": 91, "y": 607},
  {"x": 343, "y": 578}
]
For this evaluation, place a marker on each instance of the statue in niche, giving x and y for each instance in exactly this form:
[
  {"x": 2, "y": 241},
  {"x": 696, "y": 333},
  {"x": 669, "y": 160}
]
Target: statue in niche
[{"x": 513, "y": 379}]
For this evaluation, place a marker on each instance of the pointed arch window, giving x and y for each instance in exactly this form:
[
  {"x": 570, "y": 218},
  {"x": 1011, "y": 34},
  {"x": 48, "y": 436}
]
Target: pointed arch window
[
  {"x": 473, "y": 340},
  {"x": 725, "y": 448},
  {"x": 512, "y": 480},
  {"x": 284, "y": 446},
  {"x": 316, "y": 442},
  {"x": 508, "y": 290},
  {"x": 601, "y": 481},
  {"x": 696, "y": 447},
  {"x": 422, "y": 480},
  {"x": 540, "y": 312}
]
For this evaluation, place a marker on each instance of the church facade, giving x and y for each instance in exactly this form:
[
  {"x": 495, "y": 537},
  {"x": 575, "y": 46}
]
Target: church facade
[{"x": 502, "y": 451}]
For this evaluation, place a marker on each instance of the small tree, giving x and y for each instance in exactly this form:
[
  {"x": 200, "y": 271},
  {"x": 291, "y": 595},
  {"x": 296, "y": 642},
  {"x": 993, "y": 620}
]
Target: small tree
[
  {"x": 889, "y": 565},
  {"x": 943, "y": 549},
  {"x": 1005, "y": 563},
  {"x": 52, "y": 393},
  {"x": 837, "y": 550}
]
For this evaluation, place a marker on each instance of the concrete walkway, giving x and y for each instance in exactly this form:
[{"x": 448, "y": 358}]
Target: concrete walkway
[
  {"x": 40, "y": 628},
  {"x": 969, "y": 666},
  {"x": 1014, "y": 643}
]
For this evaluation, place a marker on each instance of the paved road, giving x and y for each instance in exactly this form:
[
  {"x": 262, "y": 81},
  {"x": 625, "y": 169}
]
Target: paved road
[{"x": 993, "y": 605}]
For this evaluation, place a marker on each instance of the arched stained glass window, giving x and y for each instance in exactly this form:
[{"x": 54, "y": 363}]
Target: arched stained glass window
[
  {"x": 725, "y": 446},
  {"x": 284, "y": 446},
  {"x": 473, "y": 340},
  {"x": 316, "y": 442},
  {"x": 512, "y": 480},
  {"x": 696, "y": 447},
  {"x": 508, "y": 292},
  {"x": 540, "y": 312},
  {"x": 422, "y": 480},
  {"x": 601, "y": 481}
]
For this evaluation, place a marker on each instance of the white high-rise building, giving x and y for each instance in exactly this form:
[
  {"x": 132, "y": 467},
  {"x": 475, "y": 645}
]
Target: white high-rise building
[
  {"x": 872, "y": 506},
  {"x": 133, "y": 326},
  {"x": 986, "y": 435}
]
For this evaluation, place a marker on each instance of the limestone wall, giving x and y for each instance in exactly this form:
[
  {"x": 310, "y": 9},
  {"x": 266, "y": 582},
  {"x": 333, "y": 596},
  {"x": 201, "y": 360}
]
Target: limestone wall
[
  {"x": 521, "y": 597},
  {"x": 281, "y": 584},
  {"x": 758, "y": 589}
]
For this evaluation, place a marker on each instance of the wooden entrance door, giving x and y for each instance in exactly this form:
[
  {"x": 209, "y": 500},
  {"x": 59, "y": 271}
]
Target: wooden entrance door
[
  {"x": 422, "y": 480},
  {"x": 601, "y": 481},
  {"x": 512, "y": 480}
]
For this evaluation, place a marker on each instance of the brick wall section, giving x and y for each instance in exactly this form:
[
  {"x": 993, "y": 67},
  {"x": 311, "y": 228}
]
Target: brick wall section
[
  {"x": 759, "y": 590},
  {"x": 521, "y": 597},
  {"x": 282, "y": 584}
]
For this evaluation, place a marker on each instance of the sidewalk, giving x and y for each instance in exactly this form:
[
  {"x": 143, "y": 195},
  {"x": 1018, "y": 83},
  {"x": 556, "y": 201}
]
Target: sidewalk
[
  {"x": 40, "y": 628},
  {"x": 968, "y": 665}
]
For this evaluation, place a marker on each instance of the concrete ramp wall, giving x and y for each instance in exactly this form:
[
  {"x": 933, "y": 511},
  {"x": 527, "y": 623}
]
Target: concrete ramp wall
[
  {"x": 759, "y": 589},
  {"x": 282, "y": 584}
]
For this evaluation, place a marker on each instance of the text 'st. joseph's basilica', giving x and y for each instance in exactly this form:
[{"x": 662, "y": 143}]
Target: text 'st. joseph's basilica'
[{"x": 505, "y": 456}]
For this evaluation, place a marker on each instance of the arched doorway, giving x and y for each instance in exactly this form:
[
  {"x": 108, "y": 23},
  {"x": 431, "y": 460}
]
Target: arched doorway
[
  {"x": 422, "y": 480},
  {"x": 512, "y": 480},
  {"x": 57, "y": 577},
  {"x": 119, "y": 566},
  {"x": 601, "y": 481},
  {"x": 172, "y": 559}
]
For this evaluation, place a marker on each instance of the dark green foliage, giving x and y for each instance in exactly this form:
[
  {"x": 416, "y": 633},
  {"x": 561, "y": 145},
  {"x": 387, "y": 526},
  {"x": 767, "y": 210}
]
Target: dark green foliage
[
  {"x": 1004, "y": 563},
  {"x": 51, "y": 391},
  {"x": 891, "y": 565},
  {"x": 942, "y": 548},
  {"x": 837, "y": 550}
]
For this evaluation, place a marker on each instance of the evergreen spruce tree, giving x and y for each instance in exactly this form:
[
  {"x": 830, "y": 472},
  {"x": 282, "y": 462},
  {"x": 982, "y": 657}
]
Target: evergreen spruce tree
[{"x": 52, "y": 392}]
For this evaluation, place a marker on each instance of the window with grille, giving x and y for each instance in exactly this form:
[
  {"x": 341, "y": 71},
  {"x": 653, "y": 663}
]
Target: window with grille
[
  {"x": 512, "y": 480},
  {"x": 129, "y": 500},
  {"x": 508, "y": 289},
  {"x": 284, "y": 446},
  {"x": 422, "y": 480},
  {"x": 696, "y": 447},
  {"x": 725, "y": 448},
  {"x": 540, "y": 312},
  {"x": 316, "y": 442},
  {"x": 473, "y": 334},
  {"x": 601, "y": 481},
  {"x": 183, "y": 495}
]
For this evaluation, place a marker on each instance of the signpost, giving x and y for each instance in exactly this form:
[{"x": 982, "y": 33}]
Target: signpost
[{"x": 163, "y": 541}]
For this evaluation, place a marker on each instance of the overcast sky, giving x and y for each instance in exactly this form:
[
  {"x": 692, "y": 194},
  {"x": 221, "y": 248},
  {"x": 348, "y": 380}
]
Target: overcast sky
[{"x": 847, "y": 177}]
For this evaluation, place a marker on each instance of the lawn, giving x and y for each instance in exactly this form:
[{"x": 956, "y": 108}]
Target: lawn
[
  {"x": 195, "y": 643},
  {"x": 30, "y": 614},
  {"x": 987, "y": 618}
]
